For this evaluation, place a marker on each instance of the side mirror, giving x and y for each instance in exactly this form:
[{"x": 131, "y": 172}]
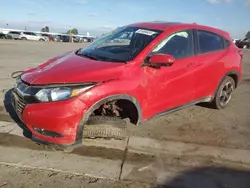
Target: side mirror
[{"x": 162, "y": 59}]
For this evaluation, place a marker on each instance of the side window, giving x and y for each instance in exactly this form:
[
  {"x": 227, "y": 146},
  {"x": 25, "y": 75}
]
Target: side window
[
  {"x": 209, "y": 42},
  {"x": 179, "y": 45}
]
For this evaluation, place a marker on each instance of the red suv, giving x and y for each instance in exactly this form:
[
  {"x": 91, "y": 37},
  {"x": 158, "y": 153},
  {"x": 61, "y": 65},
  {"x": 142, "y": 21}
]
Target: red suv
[{"x": 136, "y": 72}]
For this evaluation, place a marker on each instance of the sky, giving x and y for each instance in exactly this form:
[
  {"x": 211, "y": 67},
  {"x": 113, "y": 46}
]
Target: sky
[{"x": 100, "y": 16}]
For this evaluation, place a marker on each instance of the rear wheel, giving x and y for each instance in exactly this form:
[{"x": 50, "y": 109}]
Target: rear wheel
[
  {"x": 105, "y": 127},
  {"x": 224, "y": 93}
]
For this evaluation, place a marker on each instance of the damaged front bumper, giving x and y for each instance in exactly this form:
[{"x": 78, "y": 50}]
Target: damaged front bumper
[
  {"x": 57, "y": 146},
  {"x": 53, "y": 123}
]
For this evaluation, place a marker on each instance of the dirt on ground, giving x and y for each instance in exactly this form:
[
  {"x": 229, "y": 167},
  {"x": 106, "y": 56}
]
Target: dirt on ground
[
  {"x": 15, "y": 176},
  {"x": 20, "y": 177}
]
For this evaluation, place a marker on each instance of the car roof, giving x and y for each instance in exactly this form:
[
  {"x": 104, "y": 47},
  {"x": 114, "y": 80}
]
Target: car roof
[{"x": 164, "y": 26}]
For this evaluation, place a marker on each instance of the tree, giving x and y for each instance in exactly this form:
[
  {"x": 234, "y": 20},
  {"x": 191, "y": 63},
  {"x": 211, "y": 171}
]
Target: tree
[
  {"x": 45, "y": 29},
  {"x": 72, "y": 31},
  {"x": 248, "y": 34}
]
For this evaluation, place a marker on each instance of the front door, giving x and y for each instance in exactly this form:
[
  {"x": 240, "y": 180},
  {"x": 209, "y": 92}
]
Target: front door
[{"x": 173, "y": 86}]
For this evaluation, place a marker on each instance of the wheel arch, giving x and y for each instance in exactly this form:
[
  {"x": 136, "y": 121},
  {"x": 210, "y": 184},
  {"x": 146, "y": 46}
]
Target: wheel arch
[
  {"x": 105, "y": 100},
  {"x": 233, "y": 74}
]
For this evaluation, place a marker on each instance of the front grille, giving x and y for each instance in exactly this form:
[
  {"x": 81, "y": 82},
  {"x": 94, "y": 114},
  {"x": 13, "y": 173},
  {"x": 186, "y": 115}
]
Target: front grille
[{"x": 19, "y": 102}]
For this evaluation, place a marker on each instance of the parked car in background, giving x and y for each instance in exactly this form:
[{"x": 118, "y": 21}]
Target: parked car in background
[
  {"x": 64, "y": 38},
  {"x": 90, "y": 92},
  {"x": 243, "y": 43},
  {"x": 76, "y": 39},
  {"x": 31, "y": 36},
  {"x": 2, "y": 36},
  {"x": 14, "y": 34},
  {"x": 236, "y": 40},
  {"x": 47, "y": 37},
  {"x": 56, "y": 38},
  {"x": 87, "y": 39},
  {"x": 83, "y": 39},
  {"x": 5, "y": 36},
  {"x": 61, "y": 38}
]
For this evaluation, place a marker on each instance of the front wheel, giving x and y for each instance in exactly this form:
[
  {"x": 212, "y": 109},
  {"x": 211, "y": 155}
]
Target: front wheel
[
  {"x": 224, "y": 93},
  {"x": 105, "y": 127}
]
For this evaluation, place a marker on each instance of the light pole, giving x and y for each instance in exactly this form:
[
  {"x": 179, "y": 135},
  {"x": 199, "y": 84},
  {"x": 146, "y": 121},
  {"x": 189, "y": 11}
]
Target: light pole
[{"x": 70, "y": 34}]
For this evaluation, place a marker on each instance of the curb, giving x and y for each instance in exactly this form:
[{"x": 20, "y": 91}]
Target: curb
[{"x": 150, "y": 147}]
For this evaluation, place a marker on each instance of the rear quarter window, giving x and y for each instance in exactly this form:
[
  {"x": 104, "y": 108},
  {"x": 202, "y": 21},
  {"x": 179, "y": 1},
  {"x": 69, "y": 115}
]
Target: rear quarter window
[
  {"x": 227, "y": 43},
  {"x": 209, "y": 42}
]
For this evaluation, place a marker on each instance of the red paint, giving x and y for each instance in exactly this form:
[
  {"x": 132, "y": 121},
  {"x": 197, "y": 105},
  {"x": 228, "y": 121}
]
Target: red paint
[{"x": 156, "y": 90}]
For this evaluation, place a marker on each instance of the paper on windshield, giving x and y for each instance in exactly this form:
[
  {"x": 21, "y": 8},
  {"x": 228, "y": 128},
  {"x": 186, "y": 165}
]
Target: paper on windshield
[{"x": 145, "y": 32}]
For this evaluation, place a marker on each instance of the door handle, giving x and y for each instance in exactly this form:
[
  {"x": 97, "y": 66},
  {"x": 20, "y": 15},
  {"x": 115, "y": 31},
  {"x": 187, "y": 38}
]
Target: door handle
[{"x": 192, "y": 64}]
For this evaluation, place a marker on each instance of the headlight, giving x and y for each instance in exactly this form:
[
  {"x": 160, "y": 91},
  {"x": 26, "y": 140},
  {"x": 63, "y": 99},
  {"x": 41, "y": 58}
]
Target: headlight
[
  {"x": 18, "y": 81},
  {"x": 58, "y": 94}
]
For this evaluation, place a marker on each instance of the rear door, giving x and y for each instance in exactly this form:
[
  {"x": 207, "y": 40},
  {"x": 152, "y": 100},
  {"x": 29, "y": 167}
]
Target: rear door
[
  {"x": 210, "y": 62},
  {"x": 28, "y": 36},
  {"x": 16, "y": 35},
  {"x": 34, "y": 36}
]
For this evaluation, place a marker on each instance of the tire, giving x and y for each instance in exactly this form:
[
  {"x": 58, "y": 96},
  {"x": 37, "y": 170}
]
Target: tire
[
  {"x": 23, "y": 38},
  {"x": 105, "y": 127},
  {"x": 41, "y": 40},
  {"x": 218, "y": 101}
]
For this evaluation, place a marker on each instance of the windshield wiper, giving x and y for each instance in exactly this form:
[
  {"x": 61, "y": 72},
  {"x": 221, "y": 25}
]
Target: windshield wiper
[
  {"x": 94, "y": 57},
  {"x": 115, "y": 60},
  {"x": 90, "y": 56}
]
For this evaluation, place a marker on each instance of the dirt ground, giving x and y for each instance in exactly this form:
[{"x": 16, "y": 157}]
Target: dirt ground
[
  {"x": 196, "y": 124},
  {"x": 33, "y": 178}
]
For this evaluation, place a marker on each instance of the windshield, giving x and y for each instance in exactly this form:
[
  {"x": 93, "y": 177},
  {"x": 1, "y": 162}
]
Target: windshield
[{"x": 120, "y": 45}]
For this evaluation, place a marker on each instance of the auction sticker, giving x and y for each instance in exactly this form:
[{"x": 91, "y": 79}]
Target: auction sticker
[{"x": 145, "y": 32}]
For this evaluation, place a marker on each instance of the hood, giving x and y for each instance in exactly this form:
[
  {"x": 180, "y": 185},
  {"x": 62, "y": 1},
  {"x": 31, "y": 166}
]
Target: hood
[{"x": 70, "y": 68}]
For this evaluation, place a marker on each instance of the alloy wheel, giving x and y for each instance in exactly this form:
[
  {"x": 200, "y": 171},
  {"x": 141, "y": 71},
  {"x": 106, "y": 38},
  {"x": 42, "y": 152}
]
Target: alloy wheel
[{"x": 226, "y": 93}]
